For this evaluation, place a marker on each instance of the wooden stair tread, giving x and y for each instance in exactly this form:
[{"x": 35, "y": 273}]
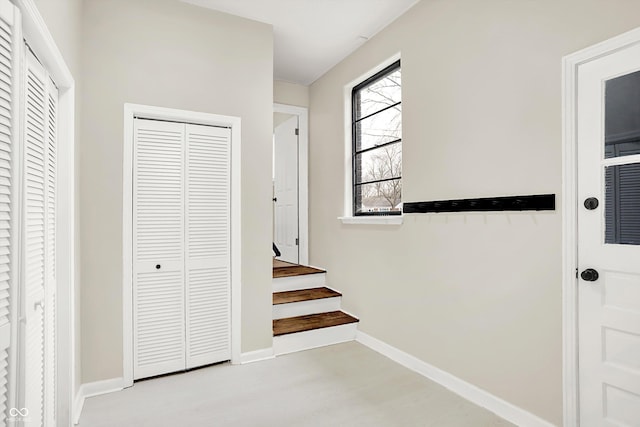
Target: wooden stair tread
[
  {"x": 310, "y": 322},
  {"x": 303, "y": 295},
  {"x": 295, "y": 270}
]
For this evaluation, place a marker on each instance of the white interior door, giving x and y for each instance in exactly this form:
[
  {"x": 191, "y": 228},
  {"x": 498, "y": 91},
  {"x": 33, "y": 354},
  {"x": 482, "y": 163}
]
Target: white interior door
[
  {"x": 286, "y": 189},
  {"x": 10, "y": 40},
  {"x": 158, "y": 253},
  {"x": 39, "y": 212},
  {"x": 208, "y": 258},
  {"x": 609, "y": 239},
  {"x": 182, "y": 248}
]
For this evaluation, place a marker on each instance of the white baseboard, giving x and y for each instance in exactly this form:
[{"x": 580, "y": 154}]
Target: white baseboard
[
  {"x": 470, "y": 392},
  {"x": 95, "y": 388},
  {"x": 256, "y": 356}
]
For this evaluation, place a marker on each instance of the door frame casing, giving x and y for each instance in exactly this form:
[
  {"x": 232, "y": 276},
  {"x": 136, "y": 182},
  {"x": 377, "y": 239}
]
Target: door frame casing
[
  {"x": 570, "y": 68},
  {"x": 303, "y": 176},
  {"x": 131, "y": 111}
]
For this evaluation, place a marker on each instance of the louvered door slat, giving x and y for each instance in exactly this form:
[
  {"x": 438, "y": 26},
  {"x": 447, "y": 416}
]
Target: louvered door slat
[
  {"x": 159, "y": 328},
  {"x": 207, "y": 244},
  {"x": 9, "y": 37}
]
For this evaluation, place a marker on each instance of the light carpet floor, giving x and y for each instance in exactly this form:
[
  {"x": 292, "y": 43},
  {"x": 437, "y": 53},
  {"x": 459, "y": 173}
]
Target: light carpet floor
[{"x": 341, "y": 385}]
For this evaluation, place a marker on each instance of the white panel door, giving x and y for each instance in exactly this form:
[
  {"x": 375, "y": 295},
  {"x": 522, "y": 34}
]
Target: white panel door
[
  {"x": 609, "y": 239},
  {"x": 158, "y": 256},
  {"x": 208, "y": 282},
  {"x": 286, "y": 189},
  {"x": 9, "y": 43}
]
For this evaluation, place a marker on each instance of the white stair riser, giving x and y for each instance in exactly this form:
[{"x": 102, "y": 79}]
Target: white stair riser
[
  {"x": 299, "y": 341},
  {"x": 294, "y": 283},
  {"x": 302, "y": 308}
]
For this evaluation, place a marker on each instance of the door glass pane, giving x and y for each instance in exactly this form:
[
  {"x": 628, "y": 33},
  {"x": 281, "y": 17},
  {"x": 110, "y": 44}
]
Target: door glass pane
[
  {"x": 622, "y": 204},
  {"x": 622, "y": 116}
]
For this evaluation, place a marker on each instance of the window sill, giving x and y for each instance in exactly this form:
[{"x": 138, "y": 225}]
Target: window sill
[{"x": 372, "y": 220}]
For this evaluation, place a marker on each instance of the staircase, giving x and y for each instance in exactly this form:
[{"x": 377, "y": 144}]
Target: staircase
[{"x": 306, "y": 314}]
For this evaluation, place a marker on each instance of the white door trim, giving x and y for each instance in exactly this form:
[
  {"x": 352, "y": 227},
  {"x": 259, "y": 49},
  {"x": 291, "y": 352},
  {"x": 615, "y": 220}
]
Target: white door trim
[
  {"x": 41, "y": 42},
  {"x": 149, "y": 112},
  {"x": 303, "y": 176},
  {"x": 570, "y": 66}
]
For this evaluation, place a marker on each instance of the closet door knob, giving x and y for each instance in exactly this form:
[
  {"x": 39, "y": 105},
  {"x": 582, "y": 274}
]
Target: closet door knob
[
  {"x": 591, "y": 203},
  {"x": 158, "y": 266}
]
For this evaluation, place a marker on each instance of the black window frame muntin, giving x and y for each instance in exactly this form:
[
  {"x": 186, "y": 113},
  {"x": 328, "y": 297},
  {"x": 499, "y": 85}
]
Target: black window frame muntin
[{"x": 354, "y": 121}]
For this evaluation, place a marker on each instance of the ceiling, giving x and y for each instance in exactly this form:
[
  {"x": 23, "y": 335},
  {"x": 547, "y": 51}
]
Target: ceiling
[{"x": 311, "y": 36}]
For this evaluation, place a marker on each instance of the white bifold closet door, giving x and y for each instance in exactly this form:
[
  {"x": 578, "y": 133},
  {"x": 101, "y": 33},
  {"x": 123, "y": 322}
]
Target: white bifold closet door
[
  {"x": 39, "y": 241},
  {"x": 158, "y": 253},
  {"x": 181, "y": 254},
  {"x": 10, "y": 40},
  {"x": 207, "y": 240}
]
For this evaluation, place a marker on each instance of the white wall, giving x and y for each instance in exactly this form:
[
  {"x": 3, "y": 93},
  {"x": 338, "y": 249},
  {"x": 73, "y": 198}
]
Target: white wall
[
  {"x": 478, "y": 295},
  {"x": 169, "y": 54},
  {"x": 290, "y": 93},
  {"x": 63, "y": 19}
]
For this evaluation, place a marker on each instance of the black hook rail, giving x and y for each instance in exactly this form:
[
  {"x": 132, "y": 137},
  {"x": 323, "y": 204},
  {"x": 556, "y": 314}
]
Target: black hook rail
[{"x": 538, "y": 202}]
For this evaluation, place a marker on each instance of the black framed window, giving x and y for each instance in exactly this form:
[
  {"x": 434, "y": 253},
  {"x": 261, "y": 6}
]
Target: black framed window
[{"x": 377, "y": 143}]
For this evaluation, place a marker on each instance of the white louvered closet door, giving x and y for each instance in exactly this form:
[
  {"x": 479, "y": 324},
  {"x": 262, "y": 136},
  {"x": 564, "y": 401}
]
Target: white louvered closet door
[
  {"x": 9, "y": 46},
  {"x": 158, "y": 256},
  {"x": 39, "y": 207},
  {"x": 181, "y": 240},
  {"x": 208, "y": 245}
]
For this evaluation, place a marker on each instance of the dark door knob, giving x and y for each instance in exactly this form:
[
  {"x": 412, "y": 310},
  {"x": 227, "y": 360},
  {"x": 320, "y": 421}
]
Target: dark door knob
[
  {"x": 275, "y": 199},
  {"x": 589, "y": 275},
  {"x": 157, "y": 266},
  {"x": 591, "y": 203}
]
